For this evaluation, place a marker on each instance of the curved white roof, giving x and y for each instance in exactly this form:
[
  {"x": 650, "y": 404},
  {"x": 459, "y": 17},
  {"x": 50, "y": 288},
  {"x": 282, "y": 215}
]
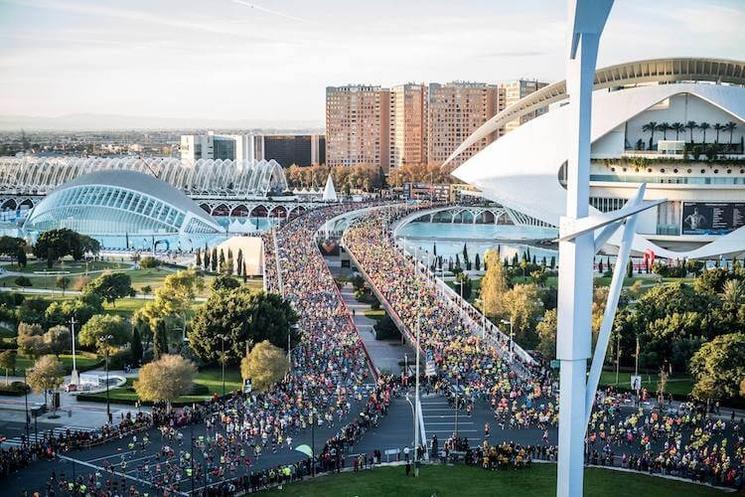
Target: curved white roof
[
  {"x": 521, "y": 169},
  {"x": 104, "y": 201},
  {"x": 39, "y": 175}
]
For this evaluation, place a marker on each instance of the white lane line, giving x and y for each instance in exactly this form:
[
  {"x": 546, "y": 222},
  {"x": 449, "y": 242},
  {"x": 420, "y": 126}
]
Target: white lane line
[
  {"x": 123, "y": 475},
  {"x": 117, "y": 454}
]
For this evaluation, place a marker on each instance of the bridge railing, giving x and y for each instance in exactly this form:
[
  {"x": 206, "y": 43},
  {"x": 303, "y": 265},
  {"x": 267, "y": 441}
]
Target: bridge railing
[{"x": 476, "y": 320}]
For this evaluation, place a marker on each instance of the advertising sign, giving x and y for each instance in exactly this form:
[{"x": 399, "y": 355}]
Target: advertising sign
[{"x": 712, "y": 218}]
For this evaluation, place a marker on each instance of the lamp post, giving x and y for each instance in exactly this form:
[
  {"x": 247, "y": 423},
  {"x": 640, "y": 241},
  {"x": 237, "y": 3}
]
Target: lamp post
[
  {"x": 74, "y": 376},
  {"x": 25, "y": 390},
  {"x": 512, "y": 334},
  {"x": 222, "y": 360},
  {"x": 104, "y": 341},
  {"x": 416, "y": 398}
]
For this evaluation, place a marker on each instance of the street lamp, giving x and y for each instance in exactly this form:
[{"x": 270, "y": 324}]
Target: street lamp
[
  {"x": 74, "y": 377},
  {"x": 222, "y": 360},
  {"x": 25, "y": 390},
  {"x": 512, "y": 334},
  {"x": 104, "y": 341}
]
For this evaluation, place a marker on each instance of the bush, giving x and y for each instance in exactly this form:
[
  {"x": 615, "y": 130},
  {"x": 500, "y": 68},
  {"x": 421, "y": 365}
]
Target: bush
[
  {"x": 149, "y": 262},
  {"x": 23, "y": 281},
  {"x": 15, "y": 388},
  {"x": 386, "y": 329}
]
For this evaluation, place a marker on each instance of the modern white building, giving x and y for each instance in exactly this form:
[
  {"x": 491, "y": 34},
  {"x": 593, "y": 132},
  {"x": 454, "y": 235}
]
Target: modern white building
[
  {"x": 212, "y": 146},
  {"x": 676, "y": 124}
]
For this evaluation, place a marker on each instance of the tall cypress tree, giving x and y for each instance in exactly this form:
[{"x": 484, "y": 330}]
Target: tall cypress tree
[
  {"x": 213, "y": 265},
  {"x": 160, "y": 339},
  {"x": 135, "y": 346}
]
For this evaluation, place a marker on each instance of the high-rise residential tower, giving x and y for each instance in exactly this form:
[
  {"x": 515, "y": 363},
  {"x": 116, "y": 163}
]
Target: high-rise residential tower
[
  {"x": 514, "y": 91},
  {"x": 357, "y": 125},
  {"x": 408, "y": 131},
  {"x": 455, "y": 110}
]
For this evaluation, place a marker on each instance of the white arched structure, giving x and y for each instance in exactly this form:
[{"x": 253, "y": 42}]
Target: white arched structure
[
  {"x": 204, "y": 177},
  {"x": 521, "y": 170}
]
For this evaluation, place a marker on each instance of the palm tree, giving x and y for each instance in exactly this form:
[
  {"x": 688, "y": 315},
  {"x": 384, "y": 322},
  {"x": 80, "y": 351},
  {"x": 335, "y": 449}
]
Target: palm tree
[
  {"x": 733, "y": 293},
  {"x": 678, "y": 128},
  {"x": 703, "y": 127},
  {"x": 730, "y": 126},
  {"x": 663, "y": 127},
  {"x": 651, "y": 127},
  {"x": 691, "y": 125},
  {"x": 718, "y": 127}
]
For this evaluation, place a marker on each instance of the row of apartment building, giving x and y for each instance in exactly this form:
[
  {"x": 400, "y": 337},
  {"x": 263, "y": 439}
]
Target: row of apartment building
[{"x": 414, "y": 123}]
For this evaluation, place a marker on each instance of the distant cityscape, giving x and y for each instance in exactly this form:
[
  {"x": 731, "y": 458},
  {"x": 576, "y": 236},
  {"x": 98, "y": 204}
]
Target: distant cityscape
[{"x": 407, "y": 124}]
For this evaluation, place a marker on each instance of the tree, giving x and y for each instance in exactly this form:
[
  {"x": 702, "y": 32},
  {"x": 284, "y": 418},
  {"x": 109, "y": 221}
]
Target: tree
[
  {"x": 165, "y": 379},
  {"x": 664, "y": 127},
  {"x": 15, "y": 248},
  {"x": 703, "y": 127},
  {"x": 82, "y": 308},
  {"x": 477, "y": 262},
  {"x": 678, "y": 128},
  {"x": 31, "y": 340},
  {"x": 135, "y": 346},
  {"x": 547, "y": 334},
  {"x": 264, "y": 365},
  {"x": 111, "y": 286},
  {"x": 225, "y": 282},
  {"x": 522, "y": 306},
  {"x": 651, "y": 127},
  {"x": 213, "y": 263},
  {"x": 173, "y": 300},
  {"x": 198, "y": 259},
  {"x": 58, "y": 339},
  {"x": 730, "y": 126},
  {"x": 47, "y": 374},
  {"x": 103, "y": 325},
  {"x": 493, "y": 285},
  {"x": 55, "y": 244},
  {"x": 465, "y": 281},
  {"x": 690, "y": 126},
  {"x": 718, "y": 127},
  {"x": 63, "y": 283},
  {"x": 719, "y": 367},
  {"x": 244, "y": 316},
  {"x": 23, "y": 281},
  {"x": 146, "y": 290},
  {"x": 160, "y": 339},
  {"x": 8, "y": 362}
]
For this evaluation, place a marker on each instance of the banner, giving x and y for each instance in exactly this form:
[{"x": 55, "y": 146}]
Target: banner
[{"x": 712, "y": 218}]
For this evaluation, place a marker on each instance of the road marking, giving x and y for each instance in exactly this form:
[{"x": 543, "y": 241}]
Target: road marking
[
  {"x": 110, "y": 456},
  {"x": 118, "y": 473},
  {"x": 449, "y": 423}
]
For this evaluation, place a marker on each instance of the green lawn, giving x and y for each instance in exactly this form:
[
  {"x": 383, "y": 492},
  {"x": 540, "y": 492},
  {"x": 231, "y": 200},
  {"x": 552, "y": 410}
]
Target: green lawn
[
  {"x": 83, "y": 360},
  {"x": 468, "y": 481},
  {"x": 677, "y": 385},
  {"x": 377, "y": 315},
  {"x": 69, "y": 266},
  {"x": 209, "y": 378}
]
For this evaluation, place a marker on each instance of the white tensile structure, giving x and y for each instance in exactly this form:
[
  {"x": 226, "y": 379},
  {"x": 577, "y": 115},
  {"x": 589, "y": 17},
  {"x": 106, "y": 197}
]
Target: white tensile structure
[
  {"x": 204, "y": 177},
  {"x": 523, "y": 169},
  {"x": 329, "y": 192}
]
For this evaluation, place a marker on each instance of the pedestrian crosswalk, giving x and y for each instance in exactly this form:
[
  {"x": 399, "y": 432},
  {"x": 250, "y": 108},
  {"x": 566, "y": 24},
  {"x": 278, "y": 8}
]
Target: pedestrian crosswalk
[{"x": 32, "y": 437}]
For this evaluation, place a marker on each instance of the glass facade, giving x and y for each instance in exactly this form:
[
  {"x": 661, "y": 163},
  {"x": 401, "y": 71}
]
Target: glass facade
[{"x": 112, "y": 210}]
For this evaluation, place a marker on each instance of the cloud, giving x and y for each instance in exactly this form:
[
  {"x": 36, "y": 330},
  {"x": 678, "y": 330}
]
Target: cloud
[
  {"x": 269, "y": 11},
  {"x": 512, "y": 53}
]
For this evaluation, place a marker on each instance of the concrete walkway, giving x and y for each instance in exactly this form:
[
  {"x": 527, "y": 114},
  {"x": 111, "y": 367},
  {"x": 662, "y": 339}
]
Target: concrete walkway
[
  {"x": 385, "y": 354},
  {"x": 72, "y": 411}
]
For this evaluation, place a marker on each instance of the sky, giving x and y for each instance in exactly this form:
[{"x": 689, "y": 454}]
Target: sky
[{"x": 272, "y": 59}]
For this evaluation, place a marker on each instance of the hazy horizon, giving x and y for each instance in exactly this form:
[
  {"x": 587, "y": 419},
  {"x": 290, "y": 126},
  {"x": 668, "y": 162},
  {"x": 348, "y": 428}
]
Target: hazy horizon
[{"x": 269, "y": 62}]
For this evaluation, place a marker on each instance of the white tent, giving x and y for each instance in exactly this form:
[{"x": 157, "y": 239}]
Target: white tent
[{"x": 329, "y": 193}]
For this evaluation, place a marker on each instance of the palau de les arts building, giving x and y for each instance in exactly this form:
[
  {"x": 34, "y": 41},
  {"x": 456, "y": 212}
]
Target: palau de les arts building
[{"x": 656, "y": 122}]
